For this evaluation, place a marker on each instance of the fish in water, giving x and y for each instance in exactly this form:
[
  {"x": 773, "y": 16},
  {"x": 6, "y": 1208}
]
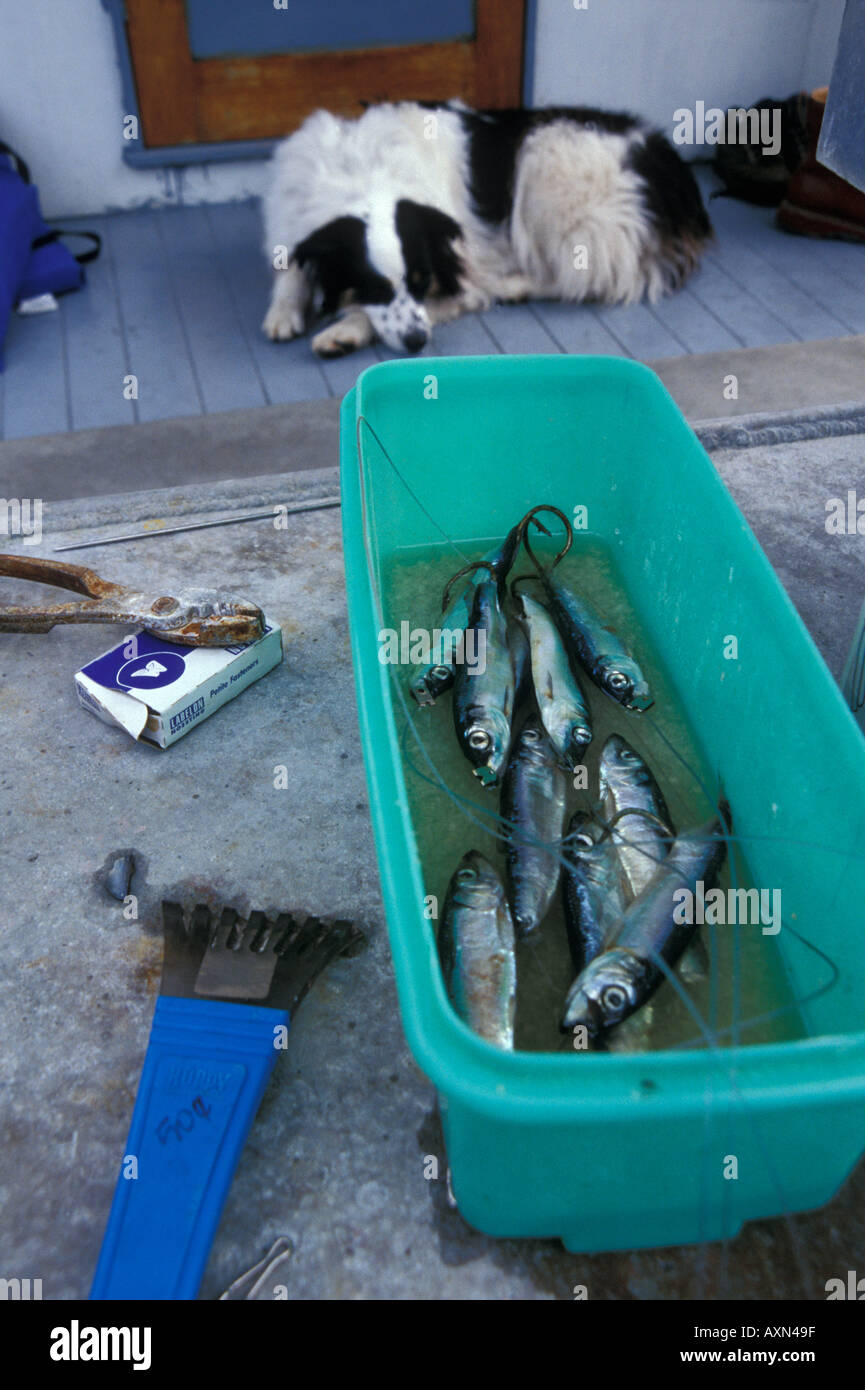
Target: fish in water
[
  {"x": 427, "y": 683},
  {"x": 601, "y": 653},
  {"x": 483, "y": 700},
  {"x": 522, "y": 659},
  {"x": 561, "y": 703},
  {"x": 476, "y": 950},
  {"x": 618, "y": 981},
  {"x": 533, "y": 805},
  {"x": 594, "y": 897},
  {"x": 642, "y": 839}
]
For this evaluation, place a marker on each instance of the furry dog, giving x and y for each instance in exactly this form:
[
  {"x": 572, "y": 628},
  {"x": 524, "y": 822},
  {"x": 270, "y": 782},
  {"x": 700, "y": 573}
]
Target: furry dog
[{"x": 414, "y": 213}]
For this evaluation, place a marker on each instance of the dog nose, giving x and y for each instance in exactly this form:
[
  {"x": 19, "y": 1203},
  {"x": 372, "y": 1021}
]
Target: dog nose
[{"x": 415, "y": 340}]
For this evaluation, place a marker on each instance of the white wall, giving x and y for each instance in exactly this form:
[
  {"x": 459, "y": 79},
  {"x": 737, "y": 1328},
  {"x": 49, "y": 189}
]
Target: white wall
[
  {"x": 652, "y": 56},
  {"x": 61, "y": 108},
  {"x": 61, "y": 104}
]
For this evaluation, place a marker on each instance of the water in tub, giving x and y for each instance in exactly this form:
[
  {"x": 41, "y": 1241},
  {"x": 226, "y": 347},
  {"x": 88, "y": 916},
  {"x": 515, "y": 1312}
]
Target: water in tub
[{"x": 452, "y": 813}]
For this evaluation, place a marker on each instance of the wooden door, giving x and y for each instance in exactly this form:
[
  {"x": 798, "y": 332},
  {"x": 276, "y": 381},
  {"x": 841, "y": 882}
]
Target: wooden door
[{"x": 210, "y": 70}]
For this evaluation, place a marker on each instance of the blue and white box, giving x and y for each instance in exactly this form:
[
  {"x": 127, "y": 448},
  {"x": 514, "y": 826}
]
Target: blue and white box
[{"x": 157, "y": 691}]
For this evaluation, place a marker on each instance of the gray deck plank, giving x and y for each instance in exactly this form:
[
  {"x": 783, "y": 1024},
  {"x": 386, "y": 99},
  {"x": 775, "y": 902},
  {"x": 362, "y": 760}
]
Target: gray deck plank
[
  {"x": 97, "y": 359},
  {"x": 576, "y": 328},
  {"x": 751, "y": 323},
  {"x": 812, "y": 271},
  {"x": 761, "y": 278},
  {"x": 288, "y": 371},
  {"x": 810, "y": 264},
  {"x": 226, "y": 373},
  {"x": 179, "y": 294},
  {"x": 342, "y": 372},
  {"x": 467, "y": 336},
  {"x": 640, "y": 332},
  {"x": 516, "y": 328},
  {"x": 846, "y": 259},
  {"x": 159, "y": 353},
  {"x": 695, "y": 326},
  {"x": 35, "y": 386}
]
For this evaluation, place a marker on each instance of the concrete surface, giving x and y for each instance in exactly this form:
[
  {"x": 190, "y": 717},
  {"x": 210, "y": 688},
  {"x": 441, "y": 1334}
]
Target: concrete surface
[{"x": 335, "y": 1160}]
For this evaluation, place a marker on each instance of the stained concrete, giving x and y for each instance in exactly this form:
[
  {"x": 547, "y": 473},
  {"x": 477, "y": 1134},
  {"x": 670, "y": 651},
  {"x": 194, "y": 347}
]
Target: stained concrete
[{"x": 335, "y": 1160}]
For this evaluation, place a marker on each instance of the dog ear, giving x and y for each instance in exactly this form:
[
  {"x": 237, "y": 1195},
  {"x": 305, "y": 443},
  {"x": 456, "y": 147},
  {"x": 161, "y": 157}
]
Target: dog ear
[
  {"x": 427, "y": 236},
  {"x": 320, "y": 243},
  {"x": 333, "y": 256}
]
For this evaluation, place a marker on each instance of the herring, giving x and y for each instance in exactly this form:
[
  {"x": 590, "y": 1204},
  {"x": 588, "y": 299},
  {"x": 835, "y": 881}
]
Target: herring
[
  {"x": 618, "y": 981},
  {"x": 642, "y": 840},
  {"x": 483, "y": 701},
  {"x": 427, "y": 683},
  {"x": 560, "y": 701},
  {"x": 476, "y": 950},
  {"x": 594, "y": 898},
  {"x": 533, "y": 805},
  {"x": 602, "y": 654}
]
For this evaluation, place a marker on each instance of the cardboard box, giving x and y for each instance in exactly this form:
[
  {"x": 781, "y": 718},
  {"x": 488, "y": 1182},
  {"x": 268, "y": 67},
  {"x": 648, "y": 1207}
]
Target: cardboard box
[{"x": 158, "y": 691}]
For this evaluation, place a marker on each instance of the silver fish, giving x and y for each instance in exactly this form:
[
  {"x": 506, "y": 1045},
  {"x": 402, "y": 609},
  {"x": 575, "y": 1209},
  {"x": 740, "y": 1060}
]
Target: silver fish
[
  {"x": 601, "y": 653},
  {"x": 534, "y": 793},
  {"x": 627, "y": 784},
  {"x": 560, "y": 700},
  {"x": 593, "y": 895},
  {"x": 522, "y": 659},
  {"x": 483, "y": 700},
  {"x": 427, "y": 683},
  {"x": 476, "y": 950},
  {"x": 618, "y": 981}
]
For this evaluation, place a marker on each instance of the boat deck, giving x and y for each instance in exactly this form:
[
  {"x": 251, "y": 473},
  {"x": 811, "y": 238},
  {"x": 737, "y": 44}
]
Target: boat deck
[{"x": 178, "y": 295}]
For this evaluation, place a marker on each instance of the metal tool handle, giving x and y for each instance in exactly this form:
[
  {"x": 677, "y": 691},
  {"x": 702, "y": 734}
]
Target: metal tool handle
[
  {"x": 206, "y": 1068},
  {"x": 105, "y": 598}
]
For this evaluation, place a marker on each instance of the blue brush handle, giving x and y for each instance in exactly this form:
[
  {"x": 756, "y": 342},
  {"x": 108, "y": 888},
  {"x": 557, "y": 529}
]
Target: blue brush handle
[{"x": 206, "y": 1068}]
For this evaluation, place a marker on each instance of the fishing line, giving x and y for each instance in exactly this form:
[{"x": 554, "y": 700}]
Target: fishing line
[
  {"x": 742, "y": 1025},
  {"x": 361, "y": 419},
  {"x": 723, "y": 1059},
  {"x": 730, "y": 1074}
]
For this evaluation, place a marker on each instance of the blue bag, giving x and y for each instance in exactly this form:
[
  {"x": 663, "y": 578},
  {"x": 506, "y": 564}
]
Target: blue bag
[
  {"x": 33, "y": 260},
  {"x": 20, "y": 224}
]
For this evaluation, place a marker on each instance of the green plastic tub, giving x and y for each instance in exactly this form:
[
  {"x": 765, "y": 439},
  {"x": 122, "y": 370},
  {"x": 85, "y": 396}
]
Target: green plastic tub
[{"x": 623, "y": 1151}]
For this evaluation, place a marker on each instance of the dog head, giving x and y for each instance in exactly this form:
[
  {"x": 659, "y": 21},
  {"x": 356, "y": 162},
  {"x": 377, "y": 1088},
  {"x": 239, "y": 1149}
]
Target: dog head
[{"x": 389, "y": 262}]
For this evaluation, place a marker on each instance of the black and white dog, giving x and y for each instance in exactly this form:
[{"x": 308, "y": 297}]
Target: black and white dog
[{"x": 415, "y": 213}]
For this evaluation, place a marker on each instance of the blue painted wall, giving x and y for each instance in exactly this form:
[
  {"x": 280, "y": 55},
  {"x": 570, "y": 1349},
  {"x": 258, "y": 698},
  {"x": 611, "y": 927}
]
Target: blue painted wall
[{"x": 218, "y": 28}]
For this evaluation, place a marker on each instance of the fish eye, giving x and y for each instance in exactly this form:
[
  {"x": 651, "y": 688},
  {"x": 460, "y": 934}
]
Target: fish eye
[
  {"x": 629, "y": 756},
  {"x": 580, "y": 735},
  {"x": 617, "y": 680},
  {"x": 440, "y": 672},
  {"x": 584, "y": 839},
  {"x": 479, "y": 739},
  {"x": 466, "y": 875},
  {"x": 614, "y": 999},
  {"x": 532, "y": 735}
]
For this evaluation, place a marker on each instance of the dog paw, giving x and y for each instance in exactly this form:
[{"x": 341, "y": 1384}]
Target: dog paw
[
  {"x": 515, "y": 289},
  {"x": 281, "y": 324},
  {"x": 335, "y": 341}
]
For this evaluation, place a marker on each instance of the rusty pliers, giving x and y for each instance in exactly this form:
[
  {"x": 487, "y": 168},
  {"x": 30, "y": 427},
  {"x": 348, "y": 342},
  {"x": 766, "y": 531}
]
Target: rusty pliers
[{"x": 191, "y": 617}]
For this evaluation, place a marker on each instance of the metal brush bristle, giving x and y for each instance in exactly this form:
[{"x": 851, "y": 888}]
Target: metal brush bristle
[{"x": 254, "y": 960}]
